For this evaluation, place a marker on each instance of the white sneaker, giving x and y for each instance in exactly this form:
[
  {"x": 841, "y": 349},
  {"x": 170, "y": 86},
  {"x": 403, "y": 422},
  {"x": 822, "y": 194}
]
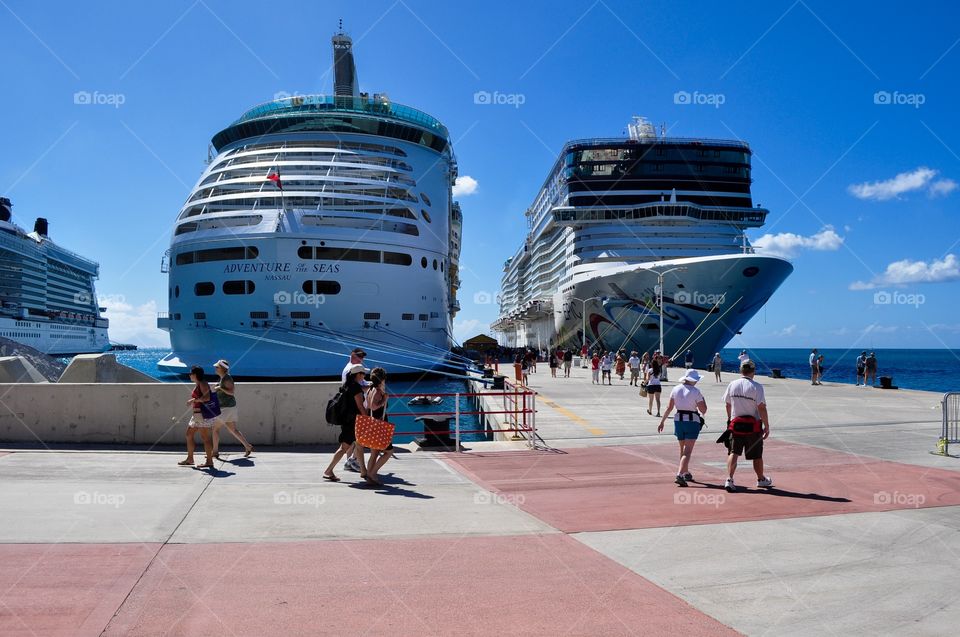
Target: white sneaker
[
  {"x": 766, "y": 482},
  {"x": 351, "y": 465},
  {"x": 729, "y": 485}
]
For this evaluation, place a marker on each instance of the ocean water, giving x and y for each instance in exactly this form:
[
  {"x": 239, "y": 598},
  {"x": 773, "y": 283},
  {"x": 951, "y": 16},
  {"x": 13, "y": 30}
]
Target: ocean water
[
  {"x": 399, "y": 411},
  {"x": 935, "y": 370}
]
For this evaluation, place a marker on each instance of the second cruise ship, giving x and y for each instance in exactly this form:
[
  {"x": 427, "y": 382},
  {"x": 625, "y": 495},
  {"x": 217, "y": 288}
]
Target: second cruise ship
[
  {"x": 624, "y": 227},
  {"x": 323, "y": 223}
]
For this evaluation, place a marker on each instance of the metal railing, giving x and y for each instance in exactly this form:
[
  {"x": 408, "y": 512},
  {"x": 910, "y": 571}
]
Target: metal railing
[
  {"x": 950, "y": 431},
  {"x": 519, "y": 411}
]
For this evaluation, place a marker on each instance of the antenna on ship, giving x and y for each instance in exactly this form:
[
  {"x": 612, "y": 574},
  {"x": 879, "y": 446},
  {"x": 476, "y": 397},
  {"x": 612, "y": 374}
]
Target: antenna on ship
[{"x": 344, "y": 70}]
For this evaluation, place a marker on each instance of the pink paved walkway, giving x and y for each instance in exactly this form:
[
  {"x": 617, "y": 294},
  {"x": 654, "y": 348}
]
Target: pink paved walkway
[
  {"x": 530, "y": 585},
  {"x": 631, "y": 487}
]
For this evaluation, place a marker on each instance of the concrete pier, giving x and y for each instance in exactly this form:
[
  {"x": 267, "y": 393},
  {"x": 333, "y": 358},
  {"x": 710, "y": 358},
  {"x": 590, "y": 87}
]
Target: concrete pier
[{"x": 586, "y": 535}]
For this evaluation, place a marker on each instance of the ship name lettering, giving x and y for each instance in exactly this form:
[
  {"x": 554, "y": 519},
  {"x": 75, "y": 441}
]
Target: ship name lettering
[
  {"x": 256, "y": 267},
  {"x": 326, "y": 268}
]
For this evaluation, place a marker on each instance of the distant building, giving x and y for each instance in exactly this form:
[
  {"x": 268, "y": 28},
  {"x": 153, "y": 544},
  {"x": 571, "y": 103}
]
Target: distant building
[{"x": 480, "y": 343}]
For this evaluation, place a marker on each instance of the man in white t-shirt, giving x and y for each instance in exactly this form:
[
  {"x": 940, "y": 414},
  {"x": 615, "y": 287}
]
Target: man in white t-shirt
[
  {"x": 744, "y": 357},
  {"x": 745, "y": 400},
  {"x": 356, "y": 358},
  {"x": 634, "y": 363},
  {"x": 813, "y": 366}
]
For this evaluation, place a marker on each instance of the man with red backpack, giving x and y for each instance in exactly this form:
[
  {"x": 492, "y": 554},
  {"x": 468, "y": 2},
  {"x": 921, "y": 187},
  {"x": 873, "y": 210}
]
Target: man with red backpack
[{"x": 748, "y": 424}]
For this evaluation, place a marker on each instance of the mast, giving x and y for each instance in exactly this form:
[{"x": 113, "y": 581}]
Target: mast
[{"x": 344, "y": 70}]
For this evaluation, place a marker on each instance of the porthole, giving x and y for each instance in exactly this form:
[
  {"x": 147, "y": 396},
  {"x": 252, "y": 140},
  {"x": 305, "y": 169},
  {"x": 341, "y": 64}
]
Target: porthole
[
  {"x": 751, "y": 271},
  {"x": 425, "y": 198},
  {"x": 204, "y": 288},
  {"x": 426, "y": 216},
  {"x": 176, "y": 292},
  {"x": 423, "y": 262},
  {"x": 434, "y": 264}
]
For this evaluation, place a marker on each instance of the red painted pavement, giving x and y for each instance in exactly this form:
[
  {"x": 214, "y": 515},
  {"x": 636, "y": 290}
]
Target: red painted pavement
[
  {"x": 530, "y": 585},
  {"x": 66, "y": 589},
  {"x": 631, "y": 487}
]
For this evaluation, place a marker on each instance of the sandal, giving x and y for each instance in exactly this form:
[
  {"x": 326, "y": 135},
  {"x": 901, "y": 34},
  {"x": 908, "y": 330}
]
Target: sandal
[
  {"x": 185, "y": 463},
  {"x": 248, "y": 452},
  {"x": 208, "y": 465},
  {"x": 331, "y": 478}
]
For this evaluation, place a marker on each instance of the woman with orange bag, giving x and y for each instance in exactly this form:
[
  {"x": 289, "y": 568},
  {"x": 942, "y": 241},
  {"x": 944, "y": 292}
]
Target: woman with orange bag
[{"x": 377, "y": 406}]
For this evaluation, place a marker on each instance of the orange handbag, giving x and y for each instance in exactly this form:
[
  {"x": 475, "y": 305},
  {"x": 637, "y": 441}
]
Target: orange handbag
[{"x": 373, "y": 433}]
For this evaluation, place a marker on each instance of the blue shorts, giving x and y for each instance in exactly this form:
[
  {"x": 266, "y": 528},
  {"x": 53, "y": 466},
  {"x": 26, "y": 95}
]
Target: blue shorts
[{"x": 686, "y": 429}]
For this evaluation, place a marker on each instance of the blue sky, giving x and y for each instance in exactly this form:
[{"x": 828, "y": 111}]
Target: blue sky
[{"x": 850, "y": 109}]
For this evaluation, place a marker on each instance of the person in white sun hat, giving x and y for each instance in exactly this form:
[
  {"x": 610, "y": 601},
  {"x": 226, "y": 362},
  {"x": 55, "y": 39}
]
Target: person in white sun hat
[
  {"x": 691, "y": 406},
  {"x": 228, "y": 409}
]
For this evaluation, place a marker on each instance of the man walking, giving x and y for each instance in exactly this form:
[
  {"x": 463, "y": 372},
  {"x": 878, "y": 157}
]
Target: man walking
[
  {"x": 814, "y": 367},
  {"x": 634, "y": 364},
  {"x": 567, "y": 362},
  {"x": 748, "y": 424},
  {"x": 862, "y": 369}
]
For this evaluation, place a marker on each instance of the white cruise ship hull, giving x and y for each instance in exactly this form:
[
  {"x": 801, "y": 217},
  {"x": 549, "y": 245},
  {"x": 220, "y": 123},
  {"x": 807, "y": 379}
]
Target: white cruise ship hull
[
  {"x": 719, "y": 295},
  {"x": 56, "y": 339}
]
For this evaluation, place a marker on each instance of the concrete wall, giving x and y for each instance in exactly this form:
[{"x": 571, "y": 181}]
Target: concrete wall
[{"x": 157, "y": 413}]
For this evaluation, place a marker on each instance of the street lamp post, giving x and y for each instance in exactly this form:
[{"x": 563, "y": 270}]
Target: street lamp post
[
  {"x": 660, "y": 276},
  {"x": 583, "y": 316}
]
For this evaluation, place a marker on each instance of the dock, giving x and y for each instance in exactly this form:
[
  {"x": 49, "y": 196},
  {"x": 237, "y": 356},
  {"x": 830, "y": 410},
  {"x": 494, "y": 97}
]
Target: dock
[{"x": 585, "y": 534}]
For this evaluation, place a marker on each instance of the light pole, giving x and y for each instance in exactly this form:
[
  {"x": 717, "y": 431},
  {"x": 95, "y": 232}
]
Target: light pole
[
  {"x": 583, "y": 316},
  {"x": 660, "y": 276}
]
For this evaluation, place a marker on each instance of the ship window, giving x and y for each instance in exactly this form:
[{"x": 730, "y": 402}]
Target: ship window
[
  {"x": 441, "y": 266},
  {"x": 423, "y": 317},
  {"x": 176, "y": 291},
  {"x": 751, "y": 271},
  {"x": 259, "y": 315},
  {"x": 326, "y": 287},
  {"x": 371, "y": 316},
  {"x": 406, "y": 317},
  {"x": 348, "y": 254},
  {"x": 176, "y": 316},
  {"x": 299, "y": 315},
  {"x": 423, "y": 262},
  {"x": 200, "y": 316},
  {"x": 307, "y": 287},
  {"x": 434, "y": 264},
  {"x": 425, "y": 198},
  {"x": 184, "y": 228},
  {"x": 204, "y": 288},
  {"x": 397, "y": 258},
  {"x": 238, "y": 287},
  {"x": 306, "y": 252},
  {"x": 217, "y": 254},
  {"x": 426, "y": 215}
]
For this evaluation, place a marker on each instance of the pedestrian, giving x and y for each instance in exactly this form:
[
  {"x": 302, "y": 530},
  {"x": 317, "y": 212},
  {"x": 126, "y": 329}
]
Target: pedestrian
[
  {"x": 531, "y": 361},
  {"x": 583, "y": 355},
  {"x": 567, "y": 362},
  {"x": 688, "y": 359},
  {"x": 606, "y": 364},
  {"x": 228, "y": 409},
  {"x": 634, "y": 363},
  {"x": 820, "y": 369},
  {"x": 595, "y": 368},
  {"x": 621, "y": 365},
  {"x": 871, "y": 370},
  {"x": 717, "y": 367},
  {"x": 744, "y": 357},
  {"x": 654, "y": 388},
  {"x": 553, "y": 365},
  {"x": 347, "y": 420},
  {"x": 813, "y": 366},
  {"x": 691, "y": 406},
  {"x": 205, "y": 413},
  {"x": 862, "y": 369},
  {"x": 748, "y": 424},
  {"x": 376, "y": 402},
  {"x": 525, "y": 370},
  {"x": 356, "y": 358}
]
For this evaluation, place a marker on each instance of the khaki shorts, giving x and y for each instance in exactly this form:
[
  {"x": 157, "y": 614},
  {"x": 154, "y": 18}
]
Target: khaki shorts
[{"x": 228, "y": 414}]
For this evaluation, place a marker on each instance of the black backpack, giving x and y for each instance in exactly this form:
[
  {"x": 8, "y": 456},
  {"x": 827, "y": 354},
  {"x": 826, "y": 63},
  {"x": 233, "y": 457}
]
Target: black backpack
[{"x": 337, "y": 407}]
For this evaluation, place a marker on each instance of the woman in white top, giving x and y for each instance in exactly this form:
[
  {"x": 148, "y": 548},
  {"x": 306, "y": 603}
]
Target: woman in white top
[
  {"x": 690, "y": 406},
  {"x": 652, "y": 376}
]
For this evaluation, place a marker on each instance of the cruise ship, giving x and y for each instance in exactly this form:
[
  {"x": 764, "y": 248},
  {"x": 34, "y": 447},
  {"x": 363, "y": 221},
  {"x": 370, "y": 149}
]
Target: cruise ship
[
  {"x": 322, "y": 223},
  {"x": 639, "y": 243},
  {"x": 47, "y": 295}
]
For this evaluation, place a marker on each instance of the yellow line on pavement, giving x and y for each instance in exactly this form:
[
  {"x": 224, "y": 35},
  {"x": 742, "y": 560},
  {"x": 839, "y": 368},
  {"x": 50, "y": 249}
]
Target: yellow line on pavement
[{"x": 572, "y": 416}]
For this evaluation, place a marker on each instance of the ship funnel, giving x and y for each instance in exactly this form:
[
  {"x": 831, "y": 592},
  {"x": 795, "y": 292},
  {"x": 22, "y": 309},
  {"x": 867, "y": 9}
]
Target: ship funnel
[
  {"x": 6, "y": 209},
  {"x": 641, "y": 129},
  {"x": 41, "y": 227},
  {"x": 344, "y": 70}
]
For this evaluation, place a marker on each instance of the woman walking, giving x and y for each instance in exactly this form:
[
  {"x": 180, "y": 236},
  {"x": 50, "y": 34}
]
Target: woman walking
[
  {"x": 202, "y": 421},
  {"x": 228, "y": 409},
  {"x": 652, "y": 372},
  {"x": 621, "y": 365},
  {"x": 554, "y": 363},
  {"x": 688, "y": 401},
  {"x": 377, "y": 405},
  {"x": 353, "y": 397},
  {"x": 717, "y": 367}
]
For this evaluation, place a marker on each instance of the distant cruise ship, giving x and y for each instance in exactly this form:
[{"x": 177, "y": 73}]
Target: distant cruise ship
[
  {"x": 614, "y": 219},
  {"x": 323, "y": 223},
  {"x": 47, "y": 295}
]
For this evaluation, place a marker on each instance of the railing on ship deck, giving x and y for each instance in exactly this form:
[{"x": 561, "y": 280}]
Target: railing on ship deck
[{"x": 519, "y": 411}]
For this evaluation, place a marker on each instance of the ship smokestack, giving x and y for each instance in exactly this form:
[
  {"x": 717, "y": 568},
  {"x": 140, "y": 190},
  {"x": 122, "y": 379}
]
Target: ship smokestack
[
  {"x": 344, "y": 70},
  {"x": 41, "y": 227}
]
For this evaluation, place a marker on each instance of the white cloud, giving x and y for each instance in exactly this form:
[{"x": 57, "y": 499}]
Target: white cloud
[
  {"x": 790, "y": 330},
  {"x": 907, "y": 271},
  {"x": 876, "y": 328},
  {"x": 467, "y": 328},
  {"x": 787, "y": 244},
  {"x": 465, "y": 185},
  {"x": 942, "y": 187},
  {"x": 918, "y": 179},
  {"x": 133, "y": 324}
]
